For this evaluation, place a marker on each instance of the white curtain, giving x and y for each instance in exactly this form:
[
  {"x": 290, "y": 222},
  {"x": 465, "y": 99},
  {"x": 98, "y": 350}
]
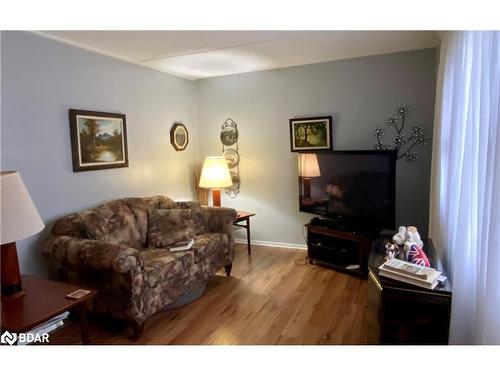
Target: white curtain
[{"x": 465, "y": 192}]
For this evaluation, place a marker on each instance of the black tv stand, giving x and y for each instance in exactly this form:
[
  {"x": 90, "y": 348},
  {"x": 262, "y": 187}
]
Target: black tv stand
[
  {"x": 340, "y": 245},
  {"x": 339, "y": 224}
]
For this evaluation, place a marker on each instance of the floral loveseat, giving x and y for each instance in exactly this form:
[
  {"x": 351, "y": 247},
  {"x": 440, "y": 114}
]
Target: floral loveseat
[{"x": 106, "y": 248}]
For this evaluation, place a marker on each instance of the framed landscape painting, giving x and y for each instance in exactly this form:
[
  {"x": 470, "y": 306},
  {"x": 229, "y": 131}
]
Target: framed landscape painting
[
  {"x": 98, "y": 140},
  {"x": 311, "y": 133}
]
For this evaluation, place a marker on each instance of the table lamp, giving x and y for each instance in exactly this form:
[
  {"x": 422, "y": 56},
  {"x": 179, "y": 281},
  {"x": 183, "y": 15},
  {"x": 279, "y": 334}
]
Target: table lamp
[
  {"x": 20, "y": 219},
  {"x": 308, "y": 168},
  {"x": 215, "y": 175}
]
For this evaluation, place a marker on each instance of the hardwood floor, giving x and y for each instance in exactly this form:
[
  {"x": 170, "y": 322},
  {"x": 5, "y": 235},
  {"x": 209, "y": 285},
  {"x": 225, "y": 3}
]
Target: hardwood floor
[{"x": 272, "y": 297}]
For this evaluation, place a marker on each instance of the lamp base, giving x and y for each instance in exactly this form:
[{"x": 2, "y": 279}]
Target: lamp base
[
  {"x": 8, "y": 297},
  {"x": 307, "y": 187},
  {"x": 12, "y": 287},
  {"x": 216, "y": 197}
]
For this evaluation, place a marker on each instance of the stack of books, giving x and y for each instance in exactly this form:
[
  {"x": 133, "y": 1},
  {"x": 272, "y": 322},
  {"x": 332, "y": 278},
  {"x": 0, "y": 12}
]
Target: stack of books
[
  {"x": 47, "y": 327},
  {"x": 410, "y": 273}
]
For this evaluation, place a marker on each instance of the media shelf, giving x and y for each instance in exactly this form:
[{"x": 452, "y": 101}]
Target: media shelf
[{"x": 338, "y": 249}]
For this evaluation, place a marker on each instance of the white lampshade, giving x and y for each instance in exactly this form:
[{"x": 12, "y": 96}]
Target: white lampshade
[
  {"x": 215, "y": 173},
  {"x": 308, "y": 165},
  {"x": 20, "y": 218}
]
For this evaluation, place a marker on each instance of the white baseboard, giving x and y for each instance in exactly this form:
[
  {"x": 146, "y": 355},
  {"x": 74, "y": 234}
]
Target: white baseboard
[{"x": 271, "y": 244}]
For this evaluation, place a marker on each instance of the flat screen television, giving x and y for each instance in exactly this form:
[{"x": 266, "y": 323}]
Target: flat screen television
[{"x": 350, "y": 186}]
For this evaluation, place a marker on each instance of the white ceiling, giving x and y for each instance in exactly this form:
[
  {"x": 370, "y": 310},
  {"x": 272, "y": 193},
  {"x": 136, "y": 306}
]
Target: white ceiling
[{"x": 201, "y": 54}]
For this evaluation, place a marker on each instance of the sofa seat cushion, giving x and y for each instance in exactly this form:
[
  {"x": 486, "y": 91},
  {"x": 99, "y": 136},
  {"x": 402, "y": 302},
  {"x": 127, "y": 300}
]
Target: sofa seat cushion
[
  {"x": 113, "y": 222},
  {"x": 208, "y": 244},
  {"x": 168, "y": 227},
  {"x": 161, "y": 265}
]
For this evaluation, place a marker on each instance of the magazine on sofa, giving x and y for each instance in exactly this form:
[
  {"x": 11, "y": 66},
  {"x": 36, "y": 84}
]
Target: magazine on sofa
[{"x": 183, "y": 246}]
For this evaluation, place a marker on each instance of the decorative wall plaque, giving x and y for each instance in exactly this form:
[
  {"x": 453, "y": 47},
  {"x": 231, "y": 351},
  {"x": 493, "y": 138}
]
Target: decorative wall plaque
[
  {"x": 179, "y": 136},
  {"x": 229, "y": 138}
]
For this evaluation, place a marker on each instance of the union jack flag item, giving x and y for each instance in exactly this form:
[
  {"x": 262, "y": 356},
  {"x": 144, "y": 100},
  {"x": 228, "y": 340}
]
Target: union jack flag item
[{"x": 417, "y": 256}]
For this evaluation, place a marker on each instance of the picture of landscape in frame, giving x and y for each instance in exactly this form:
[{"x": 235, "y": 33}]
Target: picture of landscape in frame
[
  {"x": 312, "y": 133},
  {"x": 98, "y": 140}
]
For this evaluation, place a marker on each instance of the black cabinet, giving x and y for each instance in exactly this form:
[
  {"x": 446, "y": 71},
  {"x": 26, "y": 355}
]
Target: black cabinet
[
  {"x": 400, "y": 313},
  {"x": 344, "y": 251}
]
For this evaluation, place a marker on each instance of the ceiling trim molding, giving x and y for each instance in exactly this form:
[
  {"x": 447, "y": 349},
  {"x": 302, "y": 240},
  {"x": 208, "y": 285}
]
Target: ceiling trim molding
[
  {"x": 149, "y": 63},
  {"x": 100, "y": 52}
]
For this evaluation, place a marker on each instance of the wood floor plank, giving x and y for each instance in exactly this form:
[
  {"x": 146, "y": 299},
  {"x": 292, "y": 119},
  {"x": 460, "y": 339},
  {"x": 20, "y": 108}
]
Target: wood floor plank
[{"x": 272, "y": 297}]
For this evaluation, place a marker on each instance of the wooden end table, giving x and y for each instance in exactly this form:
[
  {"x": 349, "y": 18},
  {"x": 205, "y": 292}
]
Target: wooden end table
[
  {"x": 44, "y": 300},
  {"x": 244, "y": 216}
]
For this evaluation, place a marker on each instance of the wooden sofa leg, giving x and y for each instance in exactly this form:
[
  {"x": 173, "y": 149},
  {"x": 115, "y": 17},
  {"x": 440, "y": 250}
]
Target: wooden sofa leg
[
  {"x": 228, "y": 268},
  {"x": 137, "y": 330}
]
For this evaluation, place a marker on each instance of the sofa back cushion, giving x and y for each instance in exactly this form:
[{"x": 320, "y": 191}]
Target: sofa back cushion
[
  {"x": 70, "y": 225},
  {"x": 196, "y": 214},
  {"x": 74, "y": 225},
  {"x": 167, "y": 227},
  {"x": 140, "y": 208},
  {"x": 113, "y": 222}
]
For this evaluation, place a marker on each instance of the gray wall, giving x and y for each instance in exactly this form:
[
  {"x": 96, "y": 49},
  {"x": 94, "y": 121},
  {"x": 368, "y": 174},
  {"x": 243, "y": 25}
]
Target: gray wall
[
  {"x": 41, "y": 79},
  {"x": 360, "y": 93}
]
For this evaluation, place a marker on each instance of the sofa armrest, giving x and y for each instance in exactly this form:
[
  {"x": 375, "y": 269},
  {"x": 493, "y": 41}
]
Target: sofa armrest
[
  {"x": 115, "y": 271},
  {"x": 97, "y": 255},
  {"x": 219, "y": 219}
]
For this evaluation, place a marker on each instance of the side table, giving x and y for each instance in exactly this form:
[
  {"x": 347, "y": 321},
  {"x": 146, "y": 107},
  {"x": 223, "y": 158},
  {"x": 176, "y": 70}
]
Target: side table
[
  {"x": 244, "y": 216},
  {"x": 44, "y": 300},
  {"x": 401, "y": 313}
]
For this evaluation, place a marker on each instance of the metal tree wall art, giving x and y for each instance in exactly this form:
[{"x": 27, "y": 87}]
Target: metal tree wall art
[{"x": 402, "y": 143}]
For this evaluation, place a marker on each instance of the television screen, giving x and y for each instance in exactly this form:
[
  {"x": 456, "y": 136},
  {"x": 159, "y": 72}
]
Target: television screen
[{"x": 350, "y": 185}]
